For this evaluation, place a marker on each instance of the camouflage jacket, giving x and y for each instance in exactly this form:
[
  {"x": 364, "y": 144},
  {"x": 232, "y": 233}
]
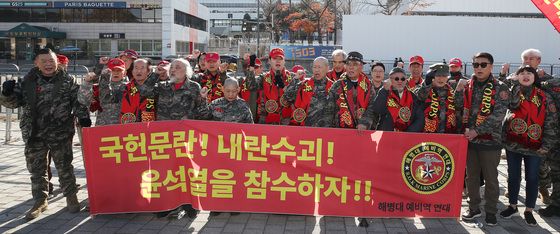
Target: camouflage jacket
[
  {"x": 213, "y": 83},
  {"x": 316, "y": 116},
  {"x": 378, "y": 106},
  {"x": 492, "y": 123},
  {"x": 550, "y": 129},
  {"x": 52, "y": 116},
  {"x": 230, "y": 111},
  {"x": 176, "y": 104},
  {"x": 110, "y": 99},
  {"x": 100, "y": 70},
  {"x": 422, "y": 93}
]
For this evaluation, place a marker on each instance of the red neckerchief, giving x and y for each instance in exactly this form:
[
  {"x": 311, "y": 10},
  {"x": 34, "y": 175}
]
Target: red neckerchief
[
  {"x": 527, "y": 122},
  {"x": 332, "y": 74},
  {"x": 214, "y": 84},
  {"x": 410, "y": 84},
  {"x": 431, "y": 113},
  {"x": 95, "y": 103},
  {"x": 400, "y": 109},
  {"x": 348, "y": 111},
  {"x": 133, "y": 105},
  {"x": 486, "y": 107},
  {"x": 275, "y": 106},
  {"x": 303, "y": 100},
  {"x": 244, "y": 93},
  {"x": 178, "y": 85}
]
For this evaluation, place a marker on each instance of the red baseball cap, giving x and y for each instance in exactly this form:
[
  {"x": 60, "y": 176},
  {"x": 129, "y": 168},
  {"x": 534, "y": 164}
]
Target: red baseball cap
[
  {"x": 130, "y": 53},
  {"x": 116, "y": 63},
  {"x": 417, "y": 59},
  {"x": 62, "y": 59},
  {"x": 163, "y": 63},
  {"x": 212, "y": 56},
  {"x": 456, "y": 62},
  {"x": 258, "y": 63},
  {"x": 276, "y": 52},
  {"x": 297, "y": 68}
]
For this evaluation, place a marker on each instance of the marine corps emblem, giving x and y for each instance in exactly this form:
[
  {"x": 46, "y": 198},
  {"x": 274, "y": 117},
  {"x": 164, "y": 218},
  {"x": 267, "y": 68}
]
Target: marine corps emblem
[
  {"x": 518, "y": 126},
  {"x": 534, "y": 132},
  {"x": 271, "y": 106},
  {"x": 427, "y": 168},
  {"x": 299, "y": 115},
  {"x": 404, "y": 113},
  {"x": 128, "y": 118}
]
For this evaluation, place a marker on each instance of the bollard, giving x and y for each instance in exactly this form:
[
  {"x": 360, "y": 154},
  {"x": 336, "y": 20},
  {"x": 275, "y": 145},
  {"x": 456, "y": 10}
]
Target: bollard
[{"x": 8, "y": 125}]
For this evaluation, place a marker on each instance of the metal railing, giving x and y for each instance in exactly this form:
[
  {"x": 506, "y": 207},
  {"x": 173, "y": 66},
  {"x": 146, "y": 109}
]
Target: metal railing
[{"x": 14, "y": 72}]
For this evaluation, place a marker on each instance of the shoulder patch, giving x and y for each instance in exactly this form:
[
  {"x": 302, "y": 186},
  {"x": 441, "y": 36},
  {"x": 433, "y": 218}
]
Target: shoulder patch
[{"x": 552, "y": 107}]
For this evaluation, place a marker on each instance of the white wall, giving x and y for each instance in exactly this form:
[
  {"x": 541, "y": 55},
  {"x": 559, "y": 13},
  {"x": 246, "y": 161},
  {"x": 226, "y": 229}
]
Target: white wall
[
  {"x": 444, "y": 37},
  {"x": 172, "y": 32}
]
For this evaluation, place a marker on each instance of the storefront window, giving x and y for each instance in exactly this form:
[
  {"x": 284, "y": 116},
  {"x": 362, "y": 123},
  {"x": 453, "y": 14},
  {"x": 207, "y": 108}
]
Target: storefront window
[
  {"x": 123, "y": 45},
  {"x": 134, "y": 45},
  {"x": 147, "y": 45},
  {"x": 105, "y": 45},
  {"x": 53, "y": 15}
]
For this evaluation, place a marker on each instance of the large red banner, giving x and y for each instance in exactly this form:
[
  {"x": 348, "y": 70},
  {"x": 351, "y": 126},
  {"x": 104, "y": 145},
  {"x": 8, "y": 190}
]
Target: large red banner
[
  {"x": 217, "y": 166},
  {"x": 551, "y": 9}
]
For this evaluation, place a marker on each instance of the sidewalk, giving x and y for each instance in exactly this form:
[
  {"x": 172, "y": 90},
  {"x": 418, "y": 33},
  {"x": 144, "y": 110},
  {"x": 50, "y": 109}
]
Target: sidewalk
[{"x": 15, "y": 200}]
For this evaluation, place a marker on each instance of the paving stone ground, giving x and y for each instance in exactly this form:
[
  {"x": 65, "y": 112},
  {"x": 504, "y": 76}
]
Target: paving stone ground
[{"x": 15, "y": 200}]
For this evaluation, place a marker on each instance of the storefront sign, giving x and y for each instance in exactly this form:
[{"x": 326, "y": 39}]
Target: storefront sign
[
  {"x": 25, "y": 4},
  {"x": 111, "y": 36},
  {"x": 306, "y": 52},
  {"x": 90, "y": 4}
]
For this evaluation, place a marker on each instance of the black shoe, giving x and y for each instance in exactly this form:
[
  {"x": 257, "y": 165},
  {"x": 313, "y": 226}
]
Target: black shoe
[
  {"x": 507, "y": 213},
  {"x": 529, "y": 219},
  {"x": 491, "y": 219},
  {"x": 234, "y": 213},
  {"x": 470, "y": 215},
  {"x": 191, "y": 212},
  {"x": 51, "y": 189},
  {"x": 363, "y": 222},
  {"x": 214, "y": 213},
  {"x": 549, "y": 211},
  {"x": 162, "y": 214}
]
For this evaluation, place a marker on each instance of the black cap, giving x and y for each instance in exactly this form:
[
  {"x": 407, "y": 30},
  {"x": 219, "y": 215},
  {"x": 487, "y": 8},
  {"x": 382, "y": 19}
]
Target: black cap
[
  {"x": 377, "y": 63},
  {"x": 355, "y": 56},
  {"x": 397, "y": 70}
]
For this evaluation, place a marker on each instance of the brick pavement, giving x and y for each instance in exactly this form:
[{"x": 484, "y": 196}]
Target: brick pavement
[{"x": 15, "y": 199}]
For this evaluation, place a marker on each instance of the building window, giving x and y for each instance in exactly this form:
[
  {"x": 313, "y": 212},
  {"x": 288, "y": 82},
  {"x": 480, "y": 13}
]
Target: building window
[
  {"x": 69, "y": 15},
  {"x": 187, "y": 20},
  {"x": 146, "y": 48}
]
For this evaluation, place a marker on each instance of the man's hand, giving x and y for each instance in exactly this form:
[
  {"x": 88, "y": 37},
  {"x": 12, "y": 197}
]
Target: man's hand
[
  {"x": 223, "y": 67},
  {"x": 387, "y": 84},
  {"x": 252, "y": 60},
  {"x": 540, "y": 72},
  {"x": 204, "y": 92},
  {"x": 89, "y": 77},
  {"x": 505, "y": 69},
  {"x": 470, "y": 134},
  {"x": 361, "y": 127},
  {"x": 85, "y": 122},
  {"x": 400, "y": 64},
  {"x": 103, "y": 60},
  {"x": 461, "y": 85}
]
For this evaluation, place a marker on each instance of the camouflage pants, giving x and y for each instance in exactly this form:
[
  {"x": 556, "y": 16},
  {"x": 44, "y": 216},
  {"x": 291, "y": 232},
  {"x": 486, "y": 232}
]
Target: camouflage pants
[
  {"x": 544, "y": 174},
  {"x": 554, "y": 163},
  {"x": 36, "y": 151}
]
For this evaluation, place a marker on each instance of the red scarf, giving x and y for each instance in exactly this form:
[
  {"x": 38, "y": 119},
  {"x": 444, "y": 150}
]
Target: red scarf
[
  {"x": 400, "y": 109},
  {"x": 95, "y": 104},
  {"x": 411, "y": 85},
  {"x": 244, "y": 93},
  {"x": 431, "y": 113},
  {"x": 527, "y": 122},
  {"x": 303, "y": 100},
  {"x": 486, "y": 106},
  {"x": 332, "y": 74},
  {"x": 133, "y": 106},
  {"x": 214, "y": 84},
  {"x": 275, "y": 106},
  {"x": 348, "y": 111}
]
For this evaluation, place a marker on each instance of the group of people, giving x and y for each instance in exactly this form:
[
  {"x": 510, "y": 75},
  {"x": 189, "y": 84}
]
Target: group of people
[{"x": 513, "y": 111}]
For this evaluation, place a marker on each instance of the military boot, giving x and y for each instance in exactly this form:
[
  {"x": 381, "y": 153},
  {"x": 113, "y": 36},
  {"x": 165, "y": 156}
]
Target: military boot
[
  {"x": 545, "y": 195},
  {"x": 39, "y": 207},
  {"x": 72, "y": 204}
]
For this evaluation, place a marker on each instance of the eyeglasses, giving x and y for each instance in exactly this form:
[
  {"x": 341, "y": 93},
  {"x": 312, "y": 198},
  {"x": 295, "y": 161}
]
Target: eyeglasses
[
  {"x": 400, "y": 78},
  {"x": 482, "y": 65}
]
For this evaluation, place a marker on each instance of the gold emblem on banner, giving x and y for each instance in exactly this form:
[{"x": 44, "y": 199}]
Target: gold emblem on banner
[
  {"x": 427, "y": 167},
  {"x": 271, "y": 106},
  {"x": 299, "y": 115}
]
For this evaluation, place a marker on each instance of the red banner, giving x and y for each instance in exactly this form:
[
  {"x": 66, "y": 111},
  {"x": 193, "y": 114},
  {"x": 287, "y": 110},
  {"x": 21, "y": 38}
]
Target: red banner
[
  {"x": 217, "y": 166},
  {"x": 551, "y": 9}
]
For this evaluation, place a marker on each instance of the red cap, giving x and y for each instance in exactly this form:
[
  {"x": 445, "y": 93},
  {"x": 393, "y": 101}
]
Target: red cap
[
  {"x": 456, "y": 62},
  {"x": 276, "y": 52},
  {"x": 130, "y": 53},
  {"x": 417, "y": 59},
  {"x": 116, "y": 63},
  {"x": 163, "y": 63},
  {"x": 297, "y": 68},
  {"x": 62, "y": 59},
  {"x": 212, "y": 56},
  {"x": 258, "y": 63}
]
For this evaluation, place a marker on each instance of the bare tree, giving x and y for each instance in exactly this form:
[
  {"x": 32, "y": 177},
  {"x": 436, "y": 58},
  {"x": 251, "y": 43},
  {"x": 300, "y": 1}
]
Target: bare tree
[{"x": 393, "y": 7}]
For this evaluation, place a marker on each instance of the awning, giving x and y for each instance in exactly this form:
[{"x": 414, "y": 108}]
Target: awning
[{"x": 28, "y": 31}]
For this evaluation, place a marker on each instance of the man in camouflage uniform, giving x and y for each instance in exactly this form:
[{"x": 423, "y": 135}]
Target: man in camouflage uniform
[
  {"x": 309, "y": 97},
  {"x": 275, "y": 110},
  {"x": 338, "y": 65},
  {"x": 162, "y": 70},
  {"x": 108, "y": 92},
  {"x": 230, "y": 108},
  {"x": 251, "y": 96},
  {"x": 214, "y": 76},
  {"x": 484, "y": 104},
  {"x": 179, "y": 97},
  {"x": 47, "y": 95}
]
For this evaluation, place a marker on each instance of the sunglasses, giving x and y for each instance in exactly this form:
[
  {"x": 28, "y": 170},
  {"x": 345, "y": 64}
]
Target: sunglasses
[
  {"x": 400, "y": 78},
  {"x": 482, "y": 65}
]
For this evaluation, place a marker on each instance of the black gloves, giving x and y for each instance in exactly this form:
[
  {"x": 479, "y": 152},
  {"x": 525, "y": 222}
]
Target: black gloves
[
  {"x": 252, "y": 60},
  {"x": 85, "y": 122},
  {"x": 430, "y": 75},
  {"x": 278, "y": 80},
  {"x": 8, "y": 87}
]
